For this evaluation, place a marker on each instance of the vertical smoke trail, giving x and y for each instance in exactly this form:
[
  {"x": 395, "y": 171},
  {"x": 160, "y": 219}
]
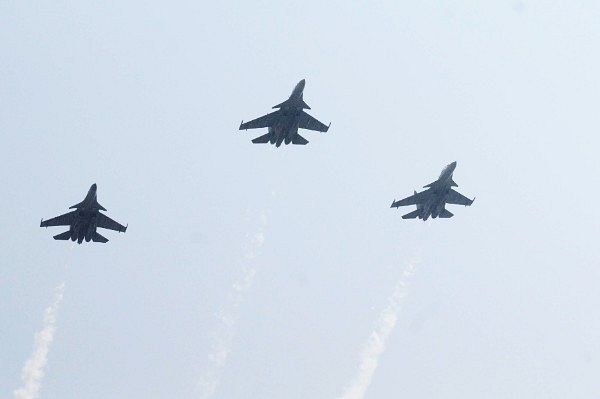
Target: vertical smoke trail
[
  {"x": 228, "y": 314},
  {"x": 378, "y": 338},
  {"x": 33, "y": 371}
]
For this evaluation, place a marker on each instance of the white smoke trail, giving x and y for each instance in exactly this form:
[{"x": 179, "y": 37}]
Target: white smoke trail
[
  {"x": 228, "y": 314},
  {"x": 378, "y": 338},
  {"x": 33, "y": 370}
]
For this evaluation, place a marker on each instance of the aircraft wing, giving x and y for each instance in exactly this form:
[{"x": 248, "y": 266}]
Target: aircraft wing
[
  {"x": 306, "y": 121},
  {"x": 417, "y": 198},
  {"x": 263, "y": 121},
  {"x": 454, "y": 197},
  {"x": 105, "y": 222},
  {"x": 63, "y": 220}
]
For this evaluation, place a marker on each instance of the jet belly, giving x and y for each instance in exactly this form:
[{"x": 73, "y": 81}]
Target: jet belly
[
  {"x": 79, "y": 231},
  {"x": 437, "y": 209},
  {"x": 426, "y": 212},
  {"x": 91, "y": 229},
  {"x": 277, "y": 134},
  {"x": 272, "y": 135},
  {"x": 284, "y": 130},
  {"x": 88, "y": 234},
  {"x": 76, "y": 229},
  {"x": 291, "y": 131}
]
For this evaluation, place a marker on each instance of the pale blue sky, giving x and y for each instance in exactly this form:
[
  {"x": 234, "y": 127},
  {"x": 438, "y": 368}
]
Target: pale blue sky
[{"x": 145, "y": 99}]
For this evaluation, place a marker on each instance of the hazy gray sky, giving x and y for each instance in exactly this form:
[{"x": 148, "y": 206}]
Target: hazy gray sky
[{"x": 250, "y": 271}]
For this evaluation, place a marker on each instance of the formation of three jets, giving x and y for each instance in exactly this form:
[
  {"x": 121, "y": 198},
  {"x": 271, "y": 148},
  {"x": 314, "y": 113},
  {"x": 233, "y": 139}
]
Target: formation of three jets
[{"x": 283, "y": 126}]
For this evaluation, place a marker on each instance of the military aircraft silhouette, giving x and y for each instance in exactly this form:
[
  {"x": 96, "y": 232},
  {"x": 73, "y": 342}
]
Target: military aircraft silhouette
[
  {"x": 432, "y": 202},
  {"x": 284, "y": 123},
  {"x": 84, "y": 220}
]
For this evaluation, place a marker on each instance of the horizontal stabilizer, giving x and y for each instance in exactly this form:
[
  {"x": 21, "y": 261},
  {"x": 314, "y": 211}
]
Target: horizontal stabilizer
[
  {"x": 412, "y": 215},
  {"x": 63, "y": 236},
  {"x": 299, "y": 140},
  {"x": 262, "y": 139},
  {"x": 446, "y": 214},
  {"x": 98, "y": 238}
]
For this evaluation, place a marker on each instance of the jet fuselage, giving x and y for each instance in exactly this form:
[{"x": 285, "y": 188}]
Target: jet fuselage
[{"x": 287, "y": 126}]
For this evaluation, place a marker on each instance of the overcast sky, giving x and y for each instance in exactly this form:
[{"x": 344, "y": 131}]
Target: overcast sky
[{"x": 250, "y": 271}]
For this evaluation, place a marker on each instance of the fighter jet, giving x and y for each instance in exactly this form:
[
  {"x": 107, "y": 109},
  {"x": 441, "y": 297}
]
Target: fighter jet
[
  {"x": 284, "y": 123},
  {"x": 432, "y": 202},
  {"x": 84, "y": 220}
]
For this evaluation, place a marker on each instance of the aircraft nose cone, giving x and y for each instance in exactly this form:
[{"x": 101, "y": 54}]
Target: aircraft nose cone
[
  {"x": 302, "y": 84},
  {"x": 94, "y": 187},
  {"x": 453, "y": 165}
]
